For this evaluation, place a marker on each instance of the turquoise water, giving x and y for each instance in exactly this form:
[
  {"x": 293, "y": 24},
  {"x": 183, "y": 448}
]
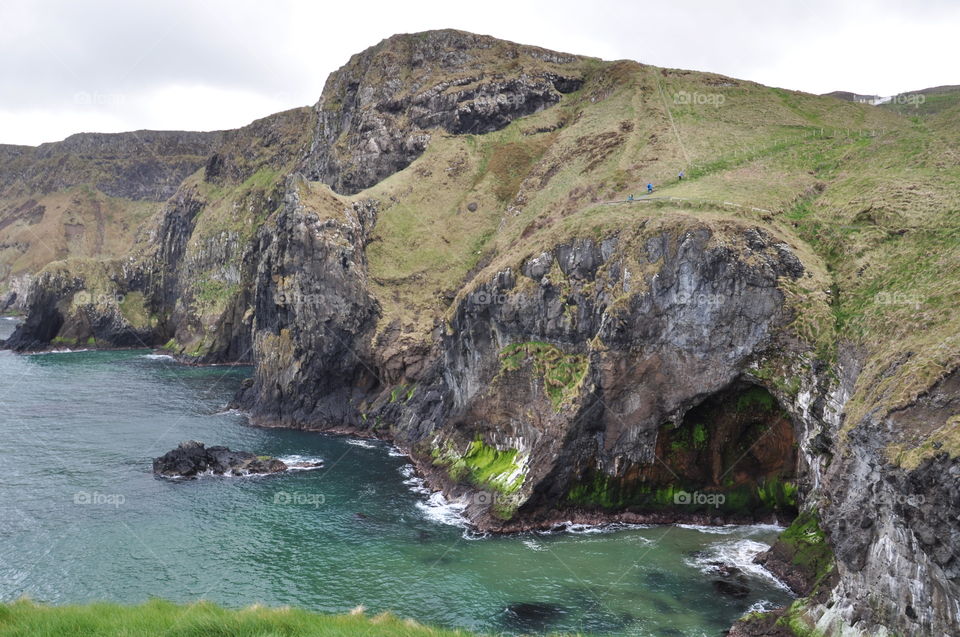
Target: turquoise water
[{"x": 84, "y": 519}]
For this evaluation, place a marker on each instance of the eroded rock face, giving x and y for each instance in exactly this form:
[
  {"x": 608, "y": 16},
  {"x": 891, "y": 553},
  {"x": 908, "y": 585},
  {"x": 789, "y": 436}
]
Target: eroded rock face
[
  {"x": 377, "y": 113},
  {"x": 660, "y": 327},
  {"x": 894, "y": 531},
  {"x": 150, "y": 297},
  {"x": 141, "y": 165},
  {"x": 311, "y": 311}
]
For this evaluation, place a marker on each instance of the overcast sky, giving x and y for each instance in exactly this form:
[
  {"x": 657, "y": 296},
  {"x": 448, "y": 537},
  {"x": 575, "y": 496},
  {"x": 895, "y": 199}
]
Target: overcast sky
[{"x": 117, "y": 65}]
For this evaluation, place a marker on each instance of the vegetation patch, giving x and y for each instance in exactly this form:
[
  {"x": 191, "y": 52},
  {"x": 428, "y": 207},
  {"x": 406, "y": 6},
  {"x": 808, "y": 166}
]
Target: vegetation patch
[
  {"x": 133, "y": 309},
  {"x": 808, "y": 545},
  {"x": 483, "y": 466},
  {"x": 158, "y": 618},
  {"x": 943, "y": 439},
  {"x": 614, "y": 493},
  {"x": 755, "y": 398},
  {"x": 561, "y": 372},
  {"x": 510, "y": 163},
  {"x": 211, "y": 295}
]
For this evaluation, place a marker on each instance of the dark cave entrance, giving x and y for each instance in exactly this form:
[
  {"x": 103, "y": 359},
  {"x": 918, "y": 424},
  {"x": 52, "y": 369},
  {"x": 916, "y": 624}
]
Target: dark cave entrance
[{"x": 734, "y": 454}]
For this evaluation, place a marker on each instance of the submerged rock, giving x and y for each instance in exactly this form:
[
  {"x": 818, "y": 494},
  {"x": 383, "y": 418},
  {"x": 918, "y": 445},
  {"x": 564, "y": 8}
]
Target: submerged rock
[
  {"x": 731, "y": 589},
  {"x": 532, "y": 616},
  {"x": 192, "y": 458}
]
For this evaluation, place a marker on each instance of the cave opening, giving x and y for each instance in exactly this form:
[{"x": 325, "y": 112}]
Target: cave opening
[{"x": 734, "y": 454}]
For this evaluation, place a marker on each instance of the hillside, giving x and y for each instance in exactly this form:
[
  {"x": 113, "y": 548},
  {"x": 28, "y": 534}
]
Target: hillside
[
  {"x": 85, "y": 196},
  {"x": 454, "y": 250}
]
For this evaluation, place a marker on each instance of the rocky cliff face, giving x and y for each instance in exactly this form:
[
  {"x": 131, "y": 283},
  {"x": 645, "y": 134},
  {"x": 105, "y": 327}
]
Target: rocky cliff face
[
  {"x": 642, "y": 332},
  {"x": 577, "y": 356},
  {"x": 378, "y": 112},
  {"x": 141, "y": 165}
]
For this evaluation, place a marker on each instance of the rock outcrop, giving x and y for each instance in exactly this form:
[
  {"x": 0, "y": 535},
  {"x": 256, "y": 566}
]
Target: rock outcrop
[
  {"x": 378, "y": 112},
  {"x": 192, "y": 459}
]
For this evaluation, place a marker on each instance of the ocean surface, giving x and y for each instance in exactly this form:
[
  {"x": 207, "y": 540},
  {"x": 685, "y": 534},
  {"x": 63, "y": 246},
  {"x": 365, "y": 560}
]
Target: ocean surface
[{"x": 84, "y": 519}]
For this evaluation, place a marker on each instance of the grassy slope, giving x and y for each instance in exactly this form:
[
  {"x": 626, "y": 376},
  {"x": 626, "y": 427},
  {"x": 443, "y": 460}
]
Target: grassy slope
[
  {"x": 77, "y": 222},
  {"x": 925, "y": 102},
  {"x": 867, "y": 197},
  {"x": 158, "y": 618}
]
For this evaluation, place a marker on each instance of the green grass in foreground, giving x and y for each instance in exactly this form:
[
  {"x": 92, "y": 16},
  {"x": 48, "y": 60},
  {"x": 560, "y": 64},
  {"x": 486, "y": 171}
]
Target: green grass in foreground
[{"x": 202, "y": 619}]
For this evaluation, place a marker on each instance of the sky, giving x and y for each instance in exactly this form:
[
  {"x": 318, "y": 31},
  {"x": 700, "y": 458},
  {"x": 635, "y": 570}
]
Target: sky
[{"x": 115, "y": 65}]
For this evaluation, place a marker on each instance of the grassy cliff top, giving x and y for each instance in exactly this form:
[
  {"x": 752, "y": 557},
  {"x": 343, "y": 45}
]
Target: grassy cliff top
[{"x": 159, "y": 618}]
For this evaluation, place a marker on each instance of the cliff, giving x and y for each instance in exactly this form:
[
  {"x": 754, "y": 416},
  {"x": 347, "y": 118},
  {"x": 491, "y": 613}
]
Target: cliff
[{"x": 446, "y": 252}]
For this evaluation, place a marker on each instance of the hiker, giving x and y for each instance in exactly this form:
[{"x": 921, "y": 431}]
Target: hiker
[
  {"x": 680, "y": 176},
  {"x": 630, "y": 198},
  {"x": 649, "y": 189}
]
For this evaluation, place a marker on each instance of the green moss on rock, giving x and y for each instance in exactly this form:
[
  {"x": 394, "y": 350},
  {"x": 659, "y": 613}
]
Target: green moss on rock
[
  {"x": 483, "y": 466},
  {"x": 808, "y": 545},
  {"x": 561, "y": 372}
]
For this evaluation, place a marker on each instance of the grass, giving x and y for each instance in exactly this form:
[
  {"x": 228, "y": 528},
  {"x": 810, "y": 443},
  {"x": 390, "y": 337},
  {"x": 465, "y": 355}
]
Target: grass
[
  {"x": 158, "y": 618},
  {"x": 561, "y": 372},
  {"x": 133, "y": 308}
]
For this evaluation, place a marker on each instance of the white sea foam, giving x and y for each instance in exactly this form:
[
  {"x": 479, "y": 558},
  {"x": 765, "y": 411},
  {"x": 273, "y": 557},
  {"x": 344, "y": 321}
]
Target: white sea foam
[
  {"x": 159, "y": 357},
  {"x": 438, "y": 509},
  {"x": 726, "y": 529},
  {"x": 534, "y": 545},
  {"x": 359, "y": 442},
  {"x": 231, "y": 411},
  {"x": 762, "y": 606},
  {"x": 592, "y": 529},
  {"x": 60, "y": 351},
  {"x": 294, "y": 459},
  {"x": 739, "y": 553},
  {"x": 413, "y": 481},
  {"x": 395, "y": 452}
]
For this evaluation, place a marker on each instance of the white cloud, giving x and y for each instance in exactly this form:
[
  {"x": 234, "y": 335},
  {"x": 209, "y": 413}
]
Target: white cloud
[{"x": 114, "y": 65}]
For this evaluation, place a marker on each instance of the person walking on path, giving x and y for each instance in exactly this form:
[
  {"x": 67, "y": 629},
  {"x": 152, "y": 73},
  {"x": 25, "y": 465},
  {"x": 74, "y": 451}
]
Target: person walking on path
[
  {"x": 649, "y": 189},
  {"x": 680, "y": 176}
]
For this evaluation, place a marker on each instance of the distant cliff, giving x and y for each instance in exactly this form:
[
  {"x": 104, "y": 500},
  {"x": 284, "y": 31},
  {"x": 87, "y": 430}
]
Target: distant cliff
[{"x": 85, "y": 196}]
